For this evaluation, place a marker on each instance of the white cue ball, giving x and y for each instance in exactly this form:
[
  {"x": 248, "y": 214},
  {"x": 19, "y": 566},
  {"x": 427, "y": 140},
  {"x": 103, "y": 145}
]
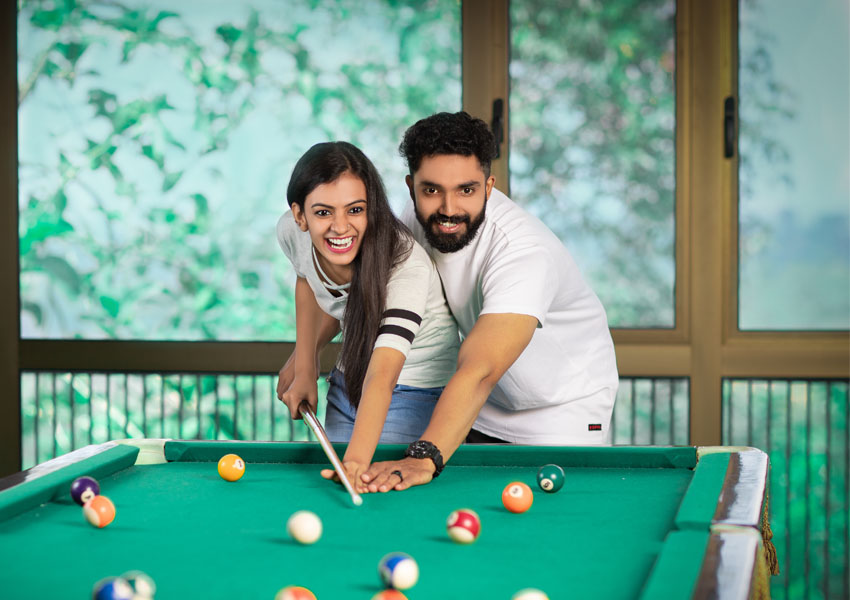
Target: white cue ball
[
  {"x": 304, "y": 527},
  {"x": 530, "y": 594}
]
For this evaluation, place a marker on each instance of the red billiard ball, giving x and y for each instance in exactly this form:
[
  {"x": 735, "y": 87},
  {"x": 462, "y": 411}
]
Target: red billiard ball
[
  {"x": 517, "y": 497},
  {"x": 463, "y": 526}
]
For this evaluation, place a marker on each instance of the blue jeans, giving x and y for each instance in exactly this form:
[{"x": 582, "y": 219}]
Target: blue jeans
[{"x": 408, "y": 416}]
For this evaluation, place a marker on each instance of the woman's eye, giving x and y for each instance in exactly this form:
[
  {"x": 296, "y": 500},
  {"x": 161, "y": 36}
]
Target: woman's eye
[
  {"x": 356, "y": 210},
  {"x": 322, "y": 213}
]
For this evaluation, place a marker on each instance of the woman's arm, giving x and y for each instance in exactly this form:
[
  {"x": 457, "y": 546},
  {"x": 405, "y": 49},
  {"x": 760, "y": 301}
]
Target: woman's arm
[
  {"x": 314, "y": 328},
  {"x": 381, "y": 377}
]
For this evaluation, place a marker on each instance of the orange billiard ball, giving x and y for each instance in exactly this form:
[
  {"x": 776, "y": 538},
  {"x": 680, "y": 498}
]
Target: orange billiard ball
[
  {"x": 231, "y": 467},
  {"x": 389, "y": 595},
  {"x": 99, "y": 511},
  {"x": 517, "y": 497},
  {"x": 295, "y": 592}
]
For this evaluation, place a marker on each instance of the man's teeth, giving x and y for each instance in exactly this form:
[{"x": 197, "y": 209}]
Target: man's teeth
[
  {"x": 448, "y": 224},
  {"x": 341, "y": 242}
]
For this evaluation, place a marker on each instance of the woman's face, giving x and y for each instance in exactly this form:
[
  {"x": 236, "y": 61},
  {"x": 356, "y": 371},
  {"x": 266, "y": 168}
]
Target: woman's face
[{"x": 335, "y": 216}]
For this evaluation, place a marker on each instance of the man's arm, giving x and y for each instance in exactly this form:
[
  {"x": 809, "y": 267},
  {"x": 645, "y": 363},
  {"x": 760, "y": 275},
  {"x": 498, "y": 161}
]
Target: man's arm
[
  {"x": 314, "y": 328},
  {"x": 494, "y": 343}
]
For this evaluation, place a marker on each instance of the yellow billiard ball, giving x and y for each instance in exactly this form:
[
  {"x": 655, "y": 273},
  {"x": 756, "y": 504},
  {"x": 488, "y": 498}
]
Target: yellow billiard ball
[{"x": 231, "y": 467}]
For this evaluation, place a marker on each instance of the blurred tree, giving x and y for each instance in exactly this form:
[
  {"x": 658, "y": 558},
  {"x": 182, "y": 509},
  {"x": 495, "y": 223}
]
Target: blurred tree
[
  {"x": 156, "y": 144},
  {"x": 593, "y": 121}
]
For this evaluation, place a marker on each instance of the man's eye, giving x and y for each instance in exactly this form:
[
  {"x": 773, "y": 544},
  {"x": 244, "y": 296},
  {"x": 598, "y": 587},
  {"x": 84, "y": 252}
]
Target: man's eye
[{"x": 467, "y": 191}]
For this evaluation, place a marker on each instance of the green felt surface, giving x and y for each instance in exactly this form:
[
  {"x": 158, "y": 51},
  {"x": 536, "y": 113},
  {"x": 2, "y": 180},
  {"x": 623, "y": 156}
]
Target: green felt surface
[
  {"x": 699, "y": 504},
  {"x": 45, "y": 487},
  {"x": 200, "y": 536},
  {"x": 682, "y": 554}
]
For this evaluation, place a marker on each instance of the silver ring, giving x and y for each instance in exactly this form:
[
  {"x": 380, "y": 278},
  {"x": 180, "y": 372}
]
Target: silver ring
[{"x": 399, "y": 475}]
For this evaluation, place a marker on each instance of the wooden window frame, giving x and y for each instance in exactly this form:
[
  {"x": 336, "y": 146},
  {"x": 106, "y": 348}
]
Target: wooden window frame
[{"x": 705, "y": 345}]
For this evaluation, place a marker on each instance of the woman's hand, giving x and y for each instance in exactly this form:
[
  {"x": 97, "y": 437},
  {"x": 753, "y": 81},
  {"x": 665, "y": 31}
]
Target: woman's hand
[
  {"x": 301, "y": 388},
  {"x": 286, "y": 375},
  {"x": 353, "y": 470}
]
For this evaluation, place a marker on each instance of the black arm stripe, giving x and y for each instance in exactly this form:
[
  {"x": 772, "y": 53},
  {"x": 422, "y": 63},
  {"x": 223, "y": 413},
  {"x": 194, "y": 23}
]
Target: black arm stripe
[
  {"x": 399, "y": 331},
  {"x": 400, "y": 313}
]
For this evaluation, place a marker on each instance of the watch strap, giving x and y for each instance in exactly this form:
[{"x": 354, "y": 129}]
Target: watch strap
[{"x": 425, "y": 449}]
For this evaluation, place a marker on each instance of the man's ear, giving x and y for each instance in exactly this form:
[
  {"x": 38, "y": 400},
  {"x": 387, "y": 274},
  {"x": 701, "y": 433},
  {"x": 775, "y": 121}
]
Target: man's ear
[
  {"x": 488, "y": 185},
  {"x": 299, "y": 217},
  {"x": 409, "y": 181}
]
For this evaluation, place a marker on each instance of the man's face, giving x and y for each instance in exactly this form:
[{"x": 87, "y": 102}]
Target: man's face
[{"x": 449, "y": 193}]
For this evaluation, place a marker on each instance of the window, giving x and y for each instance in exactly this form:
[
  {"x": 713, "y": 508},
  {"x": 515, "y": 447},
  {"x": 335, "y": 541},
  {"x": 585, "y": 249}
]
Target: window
[
  {"x": 794, "y": 240},
  {"x": 156, "y": 141},
  {"x": 592, "y": 126}
]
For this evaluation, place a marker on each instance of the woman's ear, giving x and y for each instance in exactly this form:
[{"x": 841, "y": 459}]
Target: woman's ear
[{"x": 299, "y": 217}]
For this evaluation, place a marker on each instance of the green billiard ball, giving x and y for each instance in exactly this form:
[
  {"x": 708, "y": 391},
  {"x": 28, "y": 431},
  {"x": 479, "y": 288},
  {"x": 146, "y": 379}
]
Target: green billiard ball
[{"x": 550, "y": 478}]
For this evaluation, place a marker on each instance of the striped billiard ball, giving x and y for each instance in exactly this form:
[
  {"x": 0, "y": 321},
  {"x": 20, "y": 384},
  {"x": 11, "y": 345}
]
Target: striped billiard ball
[
  {"x": 398, "y": 571},
  {"x": 463, "y": 526}
]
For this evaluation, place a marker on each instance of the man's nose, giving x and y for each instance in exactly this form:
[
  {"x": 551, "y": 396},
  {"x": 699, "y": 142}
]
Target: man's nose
[{"x": 448, "y": 206}]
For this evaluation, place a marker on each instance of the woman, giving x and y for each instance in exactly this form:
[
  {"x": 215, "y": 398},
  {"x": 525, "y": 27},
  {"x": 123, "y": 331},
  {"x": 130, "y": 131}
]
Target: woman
[{"x": 360, "y": 270}]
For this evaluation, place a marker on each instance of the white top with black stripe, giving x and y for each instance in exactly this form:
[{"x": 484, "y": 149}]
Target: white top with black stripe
[{"x": 416, "y": 322}]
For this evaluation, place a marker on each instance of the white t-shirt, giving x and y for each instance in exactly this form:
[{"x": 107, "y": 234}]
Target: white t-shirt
[
  {"x": 561, "y": 389},
  {"x": 416, "y": 321}
]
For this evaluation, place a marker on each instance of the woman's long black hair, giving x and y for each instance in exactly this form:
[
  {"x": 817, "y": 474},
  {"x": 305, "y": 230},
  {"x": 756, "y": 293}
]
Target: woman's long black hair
[{"x": 385, "y": 244}]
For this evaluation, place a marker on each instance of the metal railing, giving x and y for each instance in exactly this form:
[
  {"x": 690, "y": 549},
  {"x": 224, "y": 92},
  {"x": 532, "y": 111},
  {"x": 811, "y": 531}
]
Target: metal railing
[
  {"x": 804, "y": 426},
  {"x": 62, "y": 411},
  {"x": 652, "y": 411}
]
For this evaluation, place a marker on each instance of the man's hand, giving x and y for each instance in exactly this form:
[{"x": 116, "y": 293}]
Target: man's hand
[
  {"x": 384, "y": 476},
  {"x": 353, "y": 470}
]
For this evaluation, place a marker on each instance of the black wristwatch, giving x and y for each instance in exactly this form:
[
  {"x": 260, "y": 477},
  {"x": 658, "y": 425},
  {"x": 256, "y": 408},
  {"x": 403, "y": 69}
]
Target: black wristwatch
[{"x": 423, "y": 449}]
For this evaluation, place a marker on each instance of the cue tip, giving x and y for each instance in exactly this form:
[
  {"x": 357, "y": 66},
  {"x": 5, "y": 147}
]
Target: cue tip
[{"x": 358, "y": 501}]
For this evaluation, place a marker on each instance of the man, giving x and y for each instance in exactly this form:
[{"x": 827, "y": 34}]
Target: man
[{"x": 537, "y": 363}]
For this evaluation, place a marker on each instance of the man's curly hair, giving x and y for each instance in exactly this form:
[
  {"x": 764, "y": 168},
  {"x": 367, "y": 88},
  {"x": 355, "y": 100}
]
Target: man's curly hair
[{"x": 448, "y": 133}]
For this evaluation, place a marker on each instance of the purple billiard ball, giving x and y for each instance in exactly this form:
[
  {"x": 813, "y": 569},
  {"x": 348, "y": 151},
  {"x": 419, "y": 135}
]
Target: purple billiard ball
[{"x": 84, "y": 489}]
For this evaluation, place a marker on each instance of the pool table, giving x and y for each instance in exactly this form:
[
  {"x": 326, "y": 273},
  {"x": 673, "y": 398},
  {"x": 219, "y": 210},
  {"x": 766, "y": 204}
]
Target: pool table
[{"x": 630, "y": 522}]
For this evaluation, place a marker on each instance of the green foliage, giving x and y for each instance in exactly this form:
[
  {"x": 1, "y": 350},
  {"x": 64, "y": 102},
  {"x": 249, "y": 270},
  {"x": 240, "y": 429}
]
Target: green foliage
[
  {"x": 149, "y": 198},
  {"x": 593, "y": 153}
]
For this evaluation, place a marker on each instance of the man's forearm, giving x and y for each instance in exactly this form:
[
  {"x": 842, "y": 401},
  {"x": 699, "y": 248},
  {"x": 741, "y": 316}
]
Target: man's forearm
[{"x": 457, "y": 409}]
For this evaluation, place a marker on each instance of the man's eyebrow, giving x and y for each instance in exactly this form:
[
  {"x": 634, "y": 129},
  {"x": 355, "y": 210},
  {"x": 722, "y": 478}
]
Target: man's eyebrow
[
  {"x": 465, "y": 184},
  {"x": 426, "y": 183},
  {"x": 468, "y": 184}
]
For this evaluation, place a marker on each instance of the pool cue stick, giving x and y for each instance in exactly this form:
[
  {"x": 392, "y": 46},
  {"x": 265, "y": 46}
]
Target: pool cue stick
[{"x": 319, "y": 431}]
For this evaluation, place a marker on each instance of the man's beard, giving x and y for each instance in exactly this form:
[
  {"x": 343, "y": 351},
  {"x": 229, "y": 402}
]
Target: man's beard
[{"x": 450, "y": 242}]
